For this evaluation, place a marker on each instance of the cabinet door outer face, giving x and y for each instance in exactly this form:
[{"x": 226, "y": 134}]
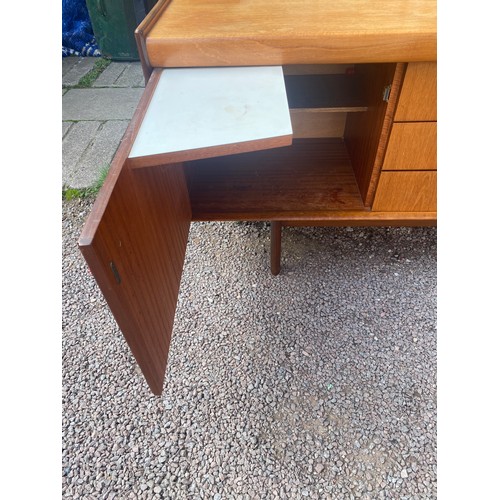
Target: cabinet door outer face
[
  {"x": 134, "y": 242},
  {"x": 136, "y": 255}
]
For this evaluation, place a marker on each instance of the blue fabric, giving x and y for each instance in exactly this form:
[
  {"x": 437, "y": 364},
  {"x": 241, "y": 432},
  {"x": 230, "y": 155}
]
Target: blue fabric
[{"x": 77, "y": 34}]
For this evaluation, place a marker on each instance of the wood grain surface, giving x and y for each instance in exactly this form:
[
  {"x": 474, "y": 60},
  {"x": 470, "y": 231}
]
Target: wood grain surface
[
  {"x": 141, "y": 33},
  {"x": 410, "y": 191},
  {"x": 307, "y": 123},
  {"x": 137, "y": 256},
  {"x": 418, "y": 98},
  {"x": 309, "y": 176},
  {"x": 261, "y": 32},
  {"x": 412, "y": 146},
  {"x": 365, "y": 219}
]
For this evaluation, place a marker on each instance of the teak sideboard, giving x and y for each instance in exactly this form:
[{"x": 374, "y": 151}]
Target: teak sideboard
[{"x": 297, "y": 113}]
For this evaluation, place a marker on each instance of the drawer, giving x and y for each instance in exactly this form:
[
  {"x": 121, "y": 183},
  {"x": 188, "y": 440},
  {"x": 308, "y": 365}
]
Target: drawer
[
  {"x": 406, "y": 192},
  {"x": 418, "y": 98},
  {"x": 412, "y": 146}
]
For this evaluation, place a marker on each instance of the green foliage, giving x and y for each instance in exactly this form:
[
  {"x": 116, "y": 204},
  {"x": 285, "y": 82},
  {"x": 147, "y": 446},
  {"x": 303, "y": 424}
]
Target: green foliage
[
  {"x": 72, "y": 193},
  {"x": 87, "y": 80}
]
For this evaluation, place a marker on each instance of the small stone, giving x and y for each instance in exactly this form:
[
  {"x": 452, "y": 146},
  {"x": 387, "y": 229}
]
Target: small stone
[
  {"x": 157, "y": 489},
  {"x": 319, "y": 468},
  {"x": 404, "y": 474}
]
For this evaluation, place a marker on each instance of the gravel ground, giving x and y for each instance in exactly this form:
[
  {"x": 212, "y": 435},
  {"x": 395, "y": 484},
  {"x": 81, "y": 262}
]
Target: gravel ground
[{"x": 319, "y": 383}]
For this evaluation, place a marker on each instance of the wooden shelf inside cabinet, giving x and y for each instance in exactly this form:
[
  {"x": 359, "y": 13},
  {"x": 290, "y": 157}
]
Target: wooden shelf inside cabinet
[
  {"x": 319, "y": 103},
  {"x": 324, "y": 93},
  {"x": 309, "y": 177}
]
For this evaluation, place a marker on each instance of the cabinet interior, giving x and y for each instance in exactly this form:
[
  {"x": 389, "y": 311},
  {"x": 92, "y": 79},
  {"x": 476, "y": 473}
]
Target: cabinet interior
[{"x": 337, "y": 114}]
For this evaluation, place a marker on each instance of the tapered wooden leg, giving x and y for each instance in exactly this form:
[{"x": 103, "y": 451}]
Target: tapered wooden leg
[{"x": 275, "y": 247}]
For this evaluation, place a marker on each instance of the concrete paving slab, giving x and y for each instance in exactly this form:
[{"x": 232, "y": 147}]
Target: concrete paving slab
[
  {"x": 74, "y": 144},
  {"x": 132, "y": 76},
  {"x": 80, "y": 68},
  {"x": 68, "y": 63},
  {"x": 65, "y": 127},
  {"x": 100, "y": 104},
  {"x": 98, "y": 154},
  {"x": 121, "y": 74},
  {"x": 109, "y": 76}
]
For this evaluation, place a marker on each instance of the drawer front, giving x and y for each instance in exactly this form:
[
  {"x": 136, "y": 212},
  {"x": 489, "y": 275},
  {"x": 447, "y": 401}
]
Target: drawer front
[
  {"x": 406, "y": 192},
  {"x": 412, "y": 146},
  {"x": 418, "y": 98}
]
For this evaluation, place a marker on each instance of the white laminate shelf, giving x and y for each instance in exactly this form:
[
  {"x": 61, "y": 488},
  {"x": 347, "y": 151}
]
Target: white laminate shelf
[{"x": 198, "y": 109}]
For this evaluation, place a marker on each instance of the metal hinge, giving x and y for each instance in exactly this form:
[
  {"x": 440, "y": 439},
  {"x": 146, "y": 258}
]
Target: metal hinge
[{"x": 387, "y": 93}]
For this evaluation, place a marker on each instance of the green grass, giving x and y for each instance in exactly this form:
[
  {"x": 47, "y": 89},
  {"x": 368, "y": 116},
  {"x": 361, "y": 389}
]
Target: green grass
[
  {"x": 73, "y": 193},
  {"x": 87, "y": 80}
]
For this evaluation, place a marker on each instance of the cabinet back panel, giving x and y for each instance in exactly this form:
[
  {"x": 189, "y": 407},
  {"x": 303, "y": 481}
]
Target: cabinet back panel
[{"x": 308, "y": 124}]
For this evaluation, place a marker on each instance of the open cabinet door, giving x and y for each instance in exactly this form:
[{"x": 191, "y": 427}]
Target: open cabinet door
[
  {"x": 136, "y": 254},
  {"x": 135, "y": 238}
]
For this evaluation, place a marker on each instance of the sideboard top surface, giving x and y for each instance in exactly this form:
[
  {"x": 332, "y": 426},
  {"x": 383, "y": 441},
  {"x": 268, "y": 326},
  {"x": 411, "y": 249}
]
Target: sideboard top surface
[{"x": 279, "y": 32}]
